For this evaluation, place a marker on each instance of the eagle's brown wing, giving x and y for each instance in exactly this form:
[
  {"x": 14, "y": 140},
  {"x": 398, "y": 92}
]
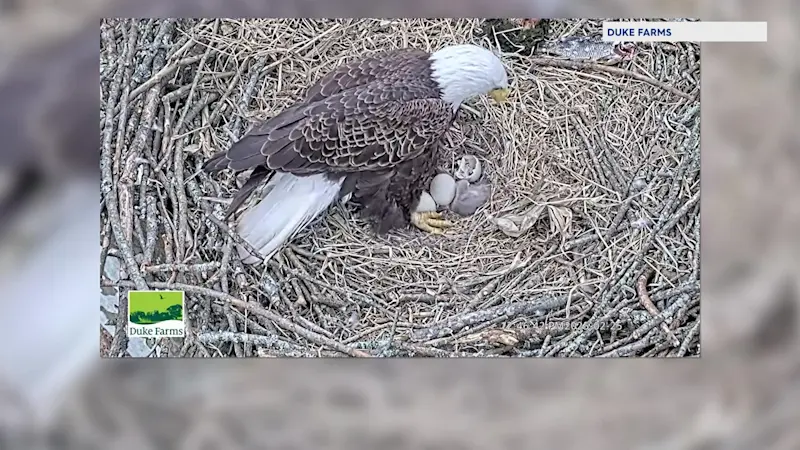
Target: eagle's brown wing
[
  {"x": 368, "y": 115},
  {"x": 353, "y": 131},
  {"x": 388, "y": 66}
]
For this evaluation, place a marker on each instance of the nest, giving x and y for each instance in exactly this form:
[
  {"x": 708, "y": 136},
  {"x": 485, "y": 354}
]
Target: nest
[{"x": 589, "y": 244}]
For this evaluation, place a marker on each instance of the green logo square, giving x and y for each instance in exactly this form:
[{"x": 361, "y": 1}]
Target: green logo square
[{"x": 156, "y": 314}]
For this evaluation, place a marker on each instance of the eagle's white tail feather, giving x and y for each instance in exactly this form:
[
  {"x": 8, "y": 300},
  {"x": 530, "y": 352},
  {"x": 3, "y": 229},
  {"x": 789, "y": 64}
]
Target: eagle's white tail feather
[{"x": 290, "y": 203}]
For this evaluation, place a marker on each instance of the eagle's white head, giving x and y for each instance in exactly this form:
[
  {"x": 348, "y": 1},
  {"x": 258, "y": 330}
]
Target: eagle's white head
[{"x": 464, "y": 71}]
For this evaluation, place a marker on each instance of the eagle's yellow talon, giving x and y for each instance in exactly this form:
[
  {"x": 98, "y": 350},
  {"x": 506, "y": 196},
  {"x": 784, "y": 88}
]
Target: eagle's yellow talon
[{"x": 430, "y": 221}]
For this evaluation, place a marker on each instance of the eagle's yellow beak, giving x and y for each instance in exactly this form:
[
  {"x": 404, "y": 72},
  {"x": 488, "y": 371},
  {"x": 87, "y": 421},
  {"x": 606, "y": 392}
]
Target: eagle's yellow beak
[{"x": 499, "y": 95}]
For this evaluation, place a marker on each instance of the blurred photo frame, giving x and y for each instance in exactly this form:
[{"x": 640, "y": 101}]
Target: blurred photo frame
[{"x": 735, "y": 394}]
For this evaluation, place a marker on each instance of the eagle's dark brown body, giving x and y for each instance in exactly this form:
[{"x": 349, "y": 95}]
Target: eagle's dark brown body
[
  {"x": 389, "y": 197},
  {"x": 377, "y": 122}
]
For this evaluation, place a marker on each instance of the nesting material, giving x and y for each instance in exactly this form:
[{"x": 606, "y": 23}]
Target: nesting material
[
  {"x": 469, "y": 168},
  {"x": 470, "y": 197},
  {"x": 577, "y": 149},
  {"x": 443, "y": 189}
]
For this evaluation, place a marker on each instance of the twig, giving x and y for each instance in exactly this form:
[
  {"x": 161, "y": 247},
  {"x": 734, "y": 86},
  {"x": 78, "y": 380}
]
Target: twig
[
  {"x": 182, "y": 120},
  {"x": 428, "y": 352},
  {"x": 582, "y": 65},
  {"x": 367, "y": 300},
  {"x": 182, "y": 206},
  {"x": 516, "y": 265},
  {"x": 575, "y": 339},
  {"x": 195, "y": 268},
  {"x": 108, "y": 187},
  {"x": 151, "y": 228},
  {"x": 271, "y": 341},
  {"x": 634, "y": 347},
  {"x": 130, "y": 52},
  {"x": 681, "y": 212},
  {"x": 471, "y": 335},
  {"x": 688, "y": 148},
  {"x": 109, "y": 191},
  {"x": 645, "y": 330},
  {"x": 313, "y": 288},
  {"x": 459, "y": 322},
  {"x": 162, "y": 75},
  {"x": 603, "y": 171},
  {"x": 247, "y": 94},
  {"x": 687, "y": 340},
  {"x": 392, "y": 331},
  {"x": 647, "y": 303},
  {"x": 166, "y": 29}
]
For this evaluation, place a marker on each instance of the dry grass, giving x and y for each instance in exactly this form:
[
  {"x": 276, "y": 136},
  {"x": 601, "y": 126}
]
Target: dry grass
[{"x": 608, "y": 155}]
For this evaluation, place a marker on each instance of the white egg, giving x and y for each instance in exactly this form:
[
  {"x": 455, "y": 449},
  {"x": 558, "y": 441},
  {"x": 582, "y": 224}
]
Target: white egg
[
  {"x": 426, "y": 203},
  {"x": 443, "y": 189},
  {"x": 469, "y": 168}
]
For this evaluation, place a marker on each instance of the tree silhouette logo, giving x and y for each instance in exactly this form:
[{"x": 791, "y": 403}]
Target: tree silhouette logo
[{"x": 156, "y": 314}]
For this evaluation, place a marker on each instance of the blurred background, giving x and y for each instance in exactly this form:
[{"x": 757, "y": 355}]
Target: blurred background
[{"x": 55, "y": 392}]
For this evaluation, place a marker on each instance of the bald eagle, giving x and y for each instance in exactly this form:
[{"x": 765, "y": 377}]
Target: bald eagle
[{"x": 368, "y": 131}]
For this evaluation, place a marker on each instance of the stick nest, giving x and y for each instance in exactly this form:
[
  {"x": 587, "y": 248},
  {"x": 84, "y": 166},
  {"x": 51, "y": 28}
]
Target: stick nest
[{"x": 596, "y": 167}]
